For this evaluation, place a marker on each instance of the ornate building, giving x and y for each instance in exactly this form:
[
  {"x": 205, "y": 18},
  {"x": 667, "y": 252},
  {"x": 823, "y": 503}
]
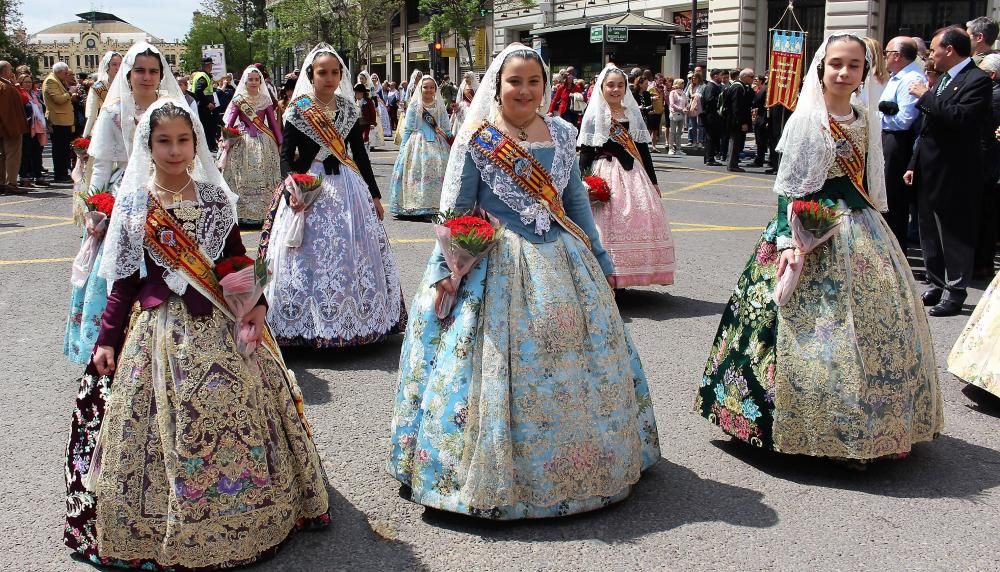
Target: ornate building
[{"x": 81, "y": 43}]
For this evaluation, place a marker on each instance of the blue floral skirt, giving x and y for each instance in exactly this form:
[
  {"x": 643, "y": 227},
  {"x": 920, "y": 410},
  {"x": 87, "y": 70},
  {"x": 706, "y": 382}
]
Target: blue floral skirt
[
  {"x": 417, "y": 177},
  {"x": 529, "y": 399},
  {"x": 86, "y": 305}
]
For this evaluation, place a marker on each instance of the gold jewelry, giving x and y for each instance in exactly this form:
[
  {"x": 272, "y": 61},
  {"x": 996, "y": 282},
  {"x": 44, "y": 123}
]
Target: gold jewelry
[
  {"x": 175, "y": 196},
  {"x": 188, "y": 213},
  {"x": 521, "y": 135}
]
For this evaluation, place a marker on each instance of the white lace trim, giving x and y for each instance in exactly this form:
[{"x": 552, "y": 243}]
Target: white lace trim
[
  {"x": 530, "y": 210},
  {"x": 216, "y": 221},
  {"x": 343, "y": 122}
]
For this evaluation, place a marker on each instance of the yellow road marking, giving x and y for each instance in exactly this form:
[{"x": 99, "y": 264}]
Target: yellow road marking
[
  {"x": 22, "y": 201},
  {"x": 702, "y": 184},
  {"x": 757, "y": 205},
  {"x": 765, "y": 178},
  {"x": 41, "y": 217},
  {"x": 34, "y": 261},
  {"x": 17, "y": 230}
]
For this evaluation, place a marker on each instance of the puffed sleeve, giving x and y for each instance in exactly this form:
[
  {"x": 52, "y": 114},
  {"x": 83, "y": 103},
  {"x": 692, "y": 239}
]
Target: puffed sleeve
[
  {"x": 290, "y": 137},
  {"x": 647, "y": 161},
  {"x": 468, "y": 194},
  {"x": 784, "y": 232},
  {"x": 587, "y": 156},
  {"x": 230, "y": 117},
  {"x": 113, "y": 320},
  {"x": 360, "y": 155},
  {"x": 272, "y": 121},
  {"x": 409, "y": 125},
  {"x": 577, "y": 205}
]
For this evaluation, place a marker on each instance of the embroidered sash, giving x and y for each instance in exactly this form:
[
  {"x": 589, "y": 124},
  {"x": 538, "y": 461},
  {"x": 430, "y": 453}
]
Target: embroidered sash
[
  {"x": 527, "y": 172},
  {"x": 100, "y": 89},
  {"x": 429, "y": 119},
  {"x": 621, "y": 136},
  {"x": 166, "y": 237},
  {"x": 850, "y": 159},
  {"x": 324, "y": 128},
  {"x": 249, "y": 114}
]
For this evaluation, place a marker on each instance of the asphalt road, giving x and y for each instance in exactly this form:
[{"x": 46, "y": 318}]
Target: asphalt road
[{"x": 711, "y": 504}]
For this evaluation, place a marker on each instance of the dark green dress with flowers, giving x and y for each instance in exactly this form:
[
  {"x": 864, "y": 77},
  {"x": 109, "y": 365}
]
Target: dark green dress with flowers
[{"x": 826, "y": 411}]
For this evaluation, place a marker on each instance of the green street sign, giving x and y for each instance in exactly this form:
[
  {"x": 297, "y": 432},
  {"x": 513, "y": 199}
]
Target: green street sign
[
  {"x": 617, "y": 34},
  {"x": 596, "y": 34}
]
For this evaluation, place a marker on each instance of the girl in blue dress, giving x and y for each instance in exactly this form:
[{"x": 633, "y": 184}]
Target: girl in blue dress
[
  {"x": 415, "y": 187},
  {"x": 529, "y": 399}
]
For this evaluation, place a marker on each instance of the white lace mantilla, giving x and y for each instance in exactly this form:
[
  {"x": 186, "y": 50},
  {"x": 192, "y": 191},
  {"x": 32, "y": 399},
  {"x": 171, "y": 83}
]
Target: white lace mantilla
[
  {"x": 347, "y": 115},
  {"x": 216, "y": 221},
  {"x": 531, "y": 211}
]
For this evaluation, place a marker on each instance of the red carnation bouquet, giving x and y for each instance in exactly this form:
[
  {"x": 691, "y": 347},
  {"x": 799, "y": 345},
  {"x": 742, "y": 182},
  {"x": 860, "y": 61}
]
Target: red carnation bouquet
[
  {"x": 243, "y": 280},
  {"x": 303, "y": 190},
  {"x": 98, "y": 212},
  {"x": 230, "y": 133},
  {"x": 80, "y": 146},
  {"x": 812, "y": 223},
  {"x": 465, "y": 239},
  {"x": 229, "y": 137},
  {"x": 597, "y": 188}
]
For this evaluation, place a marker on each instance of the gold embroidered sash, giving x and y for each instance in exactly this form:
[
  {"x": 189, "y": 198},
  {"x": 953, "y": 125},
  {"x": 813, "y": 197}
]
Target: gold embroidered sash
[
  {"x": 527, "y": 172},
  {"x": 621, "y": 136},
  {"x": 100, "y": 89},
  {"x": 849, "y": 158},
  {"x": 324, "y": 128},
  {"x": 166, "y": 237},
  {"x": 250, "y": 114}
]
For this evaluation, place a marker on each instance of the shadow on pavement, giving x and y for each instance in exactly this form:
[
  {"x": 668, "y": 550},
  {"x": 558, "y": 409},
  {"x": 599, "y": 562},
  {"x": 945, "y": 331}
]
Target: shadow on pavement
[
  {"x": 349, "y": 543},
  {"x": 45, "y": 194},
  {"x": 667, "y": 496},
  {"x": 660, "y": 306},
  {"x": 984, "y": 401},
  {"x": 947, "y": 467},
  {"x": 382, "y": 356}
]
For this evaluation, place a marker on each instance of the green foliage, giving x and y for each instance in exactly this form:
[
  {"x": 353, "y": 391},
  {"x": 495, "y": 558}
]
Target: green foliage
[
  {"x": 211, "y": 29},
  {"x": 451, "y": 16},
  {"x": 14, "y": 47}
]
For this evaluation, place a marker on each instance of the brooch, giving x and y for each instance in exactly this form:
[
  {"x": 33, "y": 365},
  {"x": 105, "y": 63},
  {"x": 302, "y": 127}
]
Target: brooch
[
  {"x": 522, "y": 167},
  {"x": 167, "y": 237},
  {"x": 843, "y": 149}
]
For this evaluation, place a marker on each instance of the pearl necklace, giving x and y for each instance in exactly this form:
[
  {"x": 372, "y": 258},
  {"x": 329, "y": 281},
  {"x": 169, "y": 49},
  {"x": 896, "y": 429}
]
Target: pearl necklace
[{"x": 843, "y": 118}]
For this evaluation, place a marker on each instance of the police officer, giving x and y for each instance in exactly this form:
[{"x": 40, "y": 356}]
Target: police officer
[{"x": 203, "y": 90}]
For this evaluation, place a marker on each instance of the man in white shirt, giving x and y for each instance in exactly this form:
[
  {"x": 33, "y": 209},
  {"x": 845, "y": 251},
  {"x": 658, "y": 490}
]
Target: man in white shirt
[{"x": 899, "y": 116}]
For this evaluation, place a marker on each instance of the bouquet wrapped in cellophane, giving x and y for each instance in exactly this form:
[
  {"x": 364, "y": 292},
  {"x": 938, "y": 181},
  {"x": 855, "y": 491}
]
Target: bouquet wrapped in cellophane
[
  {"x": 303, "y": 190},
  {"x": 465, "y": 239},
  {"x": 99, "y": 206},
  {"x": 243, "y": 280},
  {"x": 812, "y": 224}
]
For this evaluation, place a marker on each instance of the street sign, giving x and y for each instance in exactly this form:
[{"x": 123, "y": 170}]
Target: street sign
[
  {"x": 449, "y": 52},
  {"x": 596, "y": 34},
  {"x": 615, "y": 34}
]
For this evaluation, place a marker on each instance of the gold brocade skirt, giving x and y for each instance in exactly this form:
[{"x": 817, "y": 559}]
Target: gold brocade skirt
[
  {"x": 206, "y": 459},
  {"x": 253, "y": 169}
]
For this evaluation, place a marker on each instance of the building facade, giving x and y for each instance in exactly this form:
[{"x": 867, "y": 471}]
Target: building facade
[
  {"x": 83, "y": 42},
  {"x": 738, "y": 29}
]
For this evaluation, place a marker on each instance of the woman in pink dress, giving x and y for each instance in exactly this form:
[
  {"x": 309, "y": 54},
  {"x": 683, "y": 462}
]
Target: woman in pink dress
[{"x": 614, "y": 145}]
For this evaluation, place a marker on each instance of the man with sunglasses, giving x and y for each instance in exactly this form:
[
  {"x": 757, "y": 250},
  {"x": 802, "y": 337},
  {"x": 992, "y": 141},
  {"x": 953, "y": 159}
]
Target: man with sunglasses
[{"x": 899, "y": 115}]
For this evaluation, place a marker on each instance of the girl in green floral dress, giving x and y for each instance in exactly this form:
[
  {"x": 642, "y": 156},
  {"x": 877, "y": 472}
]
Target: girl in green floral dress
[{"x": 845, "y": 368}]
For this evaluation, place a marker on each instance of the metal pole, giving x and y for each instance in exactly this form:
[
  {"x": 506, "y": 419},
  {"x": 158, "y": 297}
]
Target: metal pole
[{"x": 694, "y": 35}]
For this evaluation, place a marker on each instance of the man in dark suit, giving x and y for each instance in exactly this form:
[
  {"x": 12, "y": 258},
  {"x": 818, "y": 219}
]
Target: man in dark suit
[
  {"x": 738, "y": 117},
  {"x": 949, "y": 169},
  {"x": 710, "y": 118}
]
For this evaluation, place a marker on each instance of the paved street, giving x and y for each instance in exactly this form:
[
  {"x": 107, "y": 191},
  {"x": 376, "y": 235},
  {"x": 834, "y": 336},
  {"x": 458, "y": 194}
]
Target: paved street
[{"x": 711, "y": 504}]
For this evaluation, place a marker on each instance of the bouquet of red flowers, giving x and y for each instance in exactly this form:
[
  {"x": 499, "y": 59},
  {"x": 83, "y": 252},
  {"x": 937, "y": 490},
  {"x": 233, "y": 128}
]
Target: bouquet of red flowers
[
  {"x": 597, "y": 188},
  {"x": 243, "y": 280},
  {"x": 229, "y": 136},
  {"x": 465, "y": 239},
  {"x": 80, "y": 146},
  {"x": 230, "y": 133},
  {"x": 99, "y": 206},
  {"x": 303, "y": 190},
  {"x": 812, "y": 224}
]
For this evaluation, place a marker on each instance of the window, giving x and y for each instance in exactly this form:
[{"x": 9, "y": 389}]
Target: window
[
  {"x": 171, "y": 59},
  {"x": 78, "y": 60},
  {"x": 91, "y": 44},
  {"x": 48, "y": 61}
]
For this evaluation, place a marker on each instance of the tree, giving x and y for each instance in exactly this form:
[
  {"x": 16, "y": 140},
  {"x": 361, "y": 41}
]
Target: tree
[
  {"x": 13, "y": 39},
  {"x": 209, "y": 29},
  {"x": 458, "y": 16}
]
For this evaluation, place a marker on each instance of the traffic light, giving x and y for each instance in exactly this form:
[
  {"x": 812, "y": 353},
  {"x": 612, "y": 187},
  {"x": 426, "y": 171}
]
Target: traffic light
[{"x": 485, "y": 8}]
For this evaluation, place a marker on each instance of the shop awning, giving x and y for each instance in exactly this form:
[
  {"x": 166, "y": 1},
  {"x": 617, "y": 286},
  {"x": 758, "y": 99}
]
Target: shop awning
[{"x": 633, "y": 21}]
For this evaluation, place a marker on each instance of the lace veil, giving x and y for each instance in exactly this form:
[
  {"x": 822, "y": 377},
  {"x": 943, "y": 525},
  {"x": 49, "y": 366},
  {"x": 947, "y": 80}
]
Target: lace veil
[
  {"x": 112, "y": 134},
  {"x": 123, "y": 243},
  {"x": 303, "y": 86},
  {"x": 807, "y": 145},
  {"x": 102, "y": 70},
  {"x": 264, "y": 94},
  {"x": 484, "y": 107},
  {"x": 414, "y": 77},
  {"x": 468, "y": 80},
  {"x": 596, "y": 126},
  {"x": 93, "y": 103}
]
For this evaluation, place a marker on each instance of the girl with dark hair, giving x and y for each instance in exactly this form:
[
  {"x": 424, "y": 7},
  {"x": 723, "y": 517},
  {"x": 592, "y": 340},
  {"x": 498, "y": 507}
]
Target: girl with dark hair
[
  {"x": 186, "y": 451},
  {"x": 836, "y": 359},
  {"x": 528, "y": 399}
]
